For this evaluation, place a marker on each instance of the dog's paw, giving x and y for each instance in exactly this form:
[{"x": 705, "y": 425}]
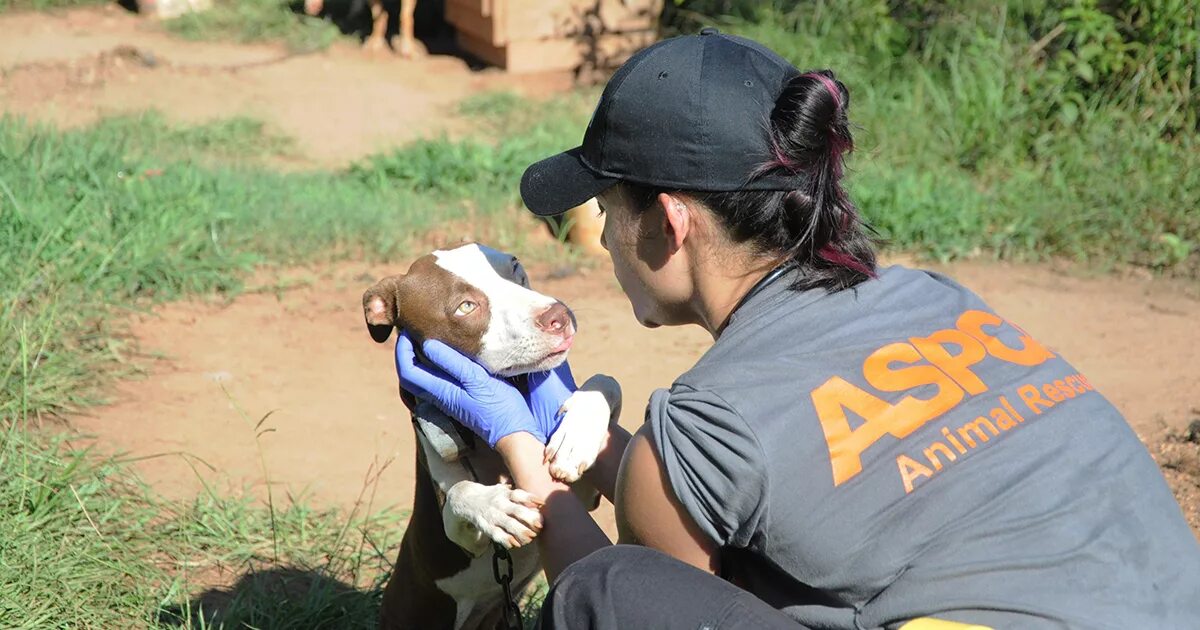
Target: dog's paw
[
  {"x": 476, "y": 515},
  {"x": 407, "y": 48},
  {"x": 580, "y": 436},
  {"x": 375, "y": 46}
]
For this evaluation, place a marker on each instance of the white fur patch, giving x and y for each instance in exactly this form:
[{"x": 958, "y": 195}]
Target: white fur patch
[{"x": 512, "y": 343}]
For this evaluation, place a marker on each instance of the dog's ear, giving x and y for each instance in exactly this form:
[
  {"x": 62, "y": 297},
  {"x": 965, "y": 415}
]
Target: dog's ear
[{"x": 381, "y": 307}]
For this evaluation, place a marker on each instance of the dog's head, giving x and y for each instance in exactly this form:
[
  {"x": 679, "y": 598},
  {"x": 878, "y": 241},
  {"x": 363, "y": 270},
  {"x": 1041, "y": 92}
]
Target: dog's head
[{"x": 478, "y": 301}]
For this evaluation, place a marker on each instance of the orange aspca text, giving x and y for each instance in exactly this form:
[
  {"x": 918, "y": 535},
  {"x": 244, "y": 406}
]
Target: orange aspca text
[{"x": 921, "y": 362}]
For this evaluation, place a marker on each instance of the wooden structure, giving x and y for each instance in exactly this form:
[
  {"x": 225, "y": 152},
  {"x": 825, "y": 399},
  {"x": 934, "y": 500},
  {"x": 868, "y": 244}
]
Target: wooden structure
[
  {"x": 166, "y": 9},
  {"x": 539, "y": 35}
]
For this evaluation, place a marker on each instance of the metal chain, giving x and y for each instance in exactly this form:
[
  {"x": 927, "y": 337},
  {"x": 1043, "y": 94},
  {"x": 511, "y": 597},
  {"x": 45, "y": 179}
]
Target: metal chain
[{"x": 512, "y": 613}]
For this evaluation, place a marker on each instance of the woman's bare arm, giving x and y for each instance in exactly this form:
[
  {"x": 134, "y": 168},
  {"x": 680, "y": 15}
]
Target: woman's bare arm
[
  {"x": 647, "y": 511},
  {"x": 603, "y": 474},
  {"x": 568, "y": 530},
  {"x": 649, "y": 514}
]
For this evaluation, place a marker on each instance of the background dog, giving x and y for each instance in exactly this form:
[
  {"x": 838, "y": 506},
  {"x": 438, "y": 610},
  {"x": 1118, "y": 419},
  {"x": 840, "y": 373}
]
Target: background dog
[{"x": 377, "y": 39}]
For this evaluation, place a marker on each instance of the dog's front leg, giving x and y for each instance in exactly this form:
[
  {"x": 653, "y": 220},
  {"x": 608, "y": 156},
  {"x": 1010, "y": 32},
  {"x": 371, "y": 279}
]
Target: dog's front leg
[
  {"x": 476, "y": 515},
  {"x": 377, "y": 40},
  {"x": 583, "y": 432},
  {"x": 473, "y": 514},
  {"x": 407, "y": 45}
]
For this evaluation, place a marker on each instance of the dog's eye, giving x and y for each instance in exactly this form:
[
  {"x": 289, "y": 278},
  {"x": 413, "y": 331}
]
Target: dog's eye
[{"x": 466, "y": 308}]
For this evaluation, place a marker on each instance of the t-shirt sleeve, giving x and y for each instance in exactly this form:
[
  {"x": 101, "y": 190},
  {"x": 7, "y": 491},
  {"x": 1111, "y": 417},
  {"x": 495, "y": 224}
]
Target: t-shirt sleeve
[{"x": 713, "y": 461}]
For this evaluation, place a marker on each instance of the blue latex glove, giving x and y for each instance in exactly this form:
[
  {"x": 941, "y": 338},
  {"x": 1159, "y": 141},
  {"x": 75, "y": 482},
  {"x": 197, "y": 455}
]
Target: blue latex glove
[
  {"x": 489, "y": 406},
  {"x": 547, "y": 393}
]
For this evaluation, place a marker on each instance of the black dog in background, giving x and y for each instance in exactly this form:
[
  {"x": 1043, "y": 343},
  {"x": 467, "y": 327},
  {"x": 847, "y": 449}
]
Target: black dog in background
[{"x": 354, "y": 17}]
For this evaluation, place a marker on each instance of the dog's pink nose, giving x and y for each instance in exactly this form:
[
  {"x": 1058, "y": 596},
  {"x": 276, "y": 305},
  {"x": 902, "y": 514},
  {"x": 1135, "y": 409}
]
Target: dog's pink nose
[{"x": 554, "y": 319}]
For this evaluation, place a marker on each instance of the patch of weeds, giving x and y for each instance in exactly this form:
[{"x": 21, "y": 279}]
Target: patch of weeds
[
  {"x": 84, "y": 544},
  {"x": 43, "y": 5},
  {"x": 220, "y": 140},
  {"x": 256, "y": 21}
]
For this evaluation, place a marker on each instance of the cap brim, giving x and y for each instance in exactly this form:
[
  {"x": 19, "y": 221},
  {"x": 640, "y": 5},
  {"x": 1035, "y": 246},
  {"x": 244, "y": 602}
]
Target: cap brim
[{"x": 559, "y": 183}]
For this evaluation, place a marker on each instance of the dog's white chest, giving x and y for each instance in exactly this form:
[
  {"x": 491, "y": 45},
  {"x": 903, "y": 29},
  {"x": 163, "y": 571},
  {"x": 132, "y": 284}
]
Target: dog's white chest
[{"x": 475, "y": 591}]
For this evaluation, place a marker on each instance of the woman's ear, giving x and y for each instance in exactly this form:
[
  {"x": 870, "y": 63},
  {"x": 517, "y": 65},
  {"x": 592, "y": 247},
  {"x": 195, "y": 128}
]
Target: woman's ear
[{"x": 677, "y": 220}]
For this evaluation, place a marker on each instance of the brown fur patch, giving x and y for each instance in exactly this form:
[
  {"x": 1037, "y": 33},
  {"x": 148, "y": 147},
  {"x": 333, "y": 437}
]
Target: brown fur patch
[{"x": 423, "y": 302}]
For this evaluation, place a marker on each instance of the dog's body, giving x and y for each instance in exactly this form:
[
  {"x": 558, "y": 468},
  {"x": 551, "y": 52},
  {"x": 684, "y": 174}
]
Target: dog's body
[
  {"x": 377, "y": 40},
  {"x": 478, "y": 301}
]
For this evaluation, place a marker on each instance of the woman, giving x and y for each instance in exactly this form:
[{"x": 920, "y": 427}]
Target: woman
[{"x": 861, "y": 447}]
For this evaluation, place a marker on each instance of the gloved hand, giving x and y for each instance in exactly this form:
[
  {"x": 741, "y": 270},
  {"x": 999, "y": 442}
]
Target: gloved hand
[
  {"x": 460, "y": 387},
  {"x": 547, "y": 393}
]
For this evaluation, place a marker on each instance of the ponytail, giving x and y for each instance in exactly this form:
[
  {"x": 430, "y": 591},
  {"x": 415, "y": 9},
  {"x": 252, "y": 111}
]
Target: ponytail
[{"x": 810, "y": 136}]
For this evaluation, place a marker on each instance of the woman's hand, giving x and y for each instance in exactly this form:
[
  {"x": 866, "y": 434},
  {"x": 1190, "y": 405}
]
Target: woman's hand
[{"x": 489, "y": 406}]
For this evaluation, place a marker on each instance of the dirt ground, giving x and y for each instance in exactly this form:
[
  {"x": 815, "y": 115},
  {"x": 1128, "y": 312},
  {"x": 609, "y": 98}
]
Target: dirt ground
[
  {"x": 303, "y": 356},
  {"x": 72, "y": 67}
]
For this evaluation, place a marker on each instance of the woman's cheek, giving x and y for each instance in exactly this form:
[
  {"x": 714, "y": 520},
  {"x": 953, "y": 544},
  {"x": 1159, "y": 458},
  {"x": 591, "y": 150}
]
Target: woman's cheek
[{"x": 631, "y": 286}]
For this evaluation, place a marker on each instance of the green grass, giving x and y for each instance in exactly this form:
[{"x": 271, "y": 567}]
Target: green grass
[
  {"x": 148, "y": 137},
  {"x": 84, "y": 545},
  {"x": 256, "y": 21},
  {"x": 43, "y": 5}
]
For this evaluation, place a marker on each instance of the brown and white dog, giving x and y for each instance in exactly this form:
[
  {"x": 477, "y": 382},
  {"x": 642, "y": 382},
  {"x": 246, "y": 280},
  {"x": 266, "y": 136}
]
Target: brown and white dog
[
  {"x": 377, "y": 40},
  {"x": 478, "y": 301}
]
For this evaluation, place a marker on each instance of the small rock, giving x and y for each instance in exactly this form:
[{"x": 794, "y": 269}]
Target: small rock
[
  {"x": 1192, "y": 434},
  {"x": 219, "y": 377}
]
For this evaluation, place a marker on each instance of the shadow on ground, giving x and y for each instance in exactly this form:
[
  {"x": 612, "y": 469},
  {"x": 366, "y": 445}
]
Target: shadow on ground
[{"x": 278, "y": 598}]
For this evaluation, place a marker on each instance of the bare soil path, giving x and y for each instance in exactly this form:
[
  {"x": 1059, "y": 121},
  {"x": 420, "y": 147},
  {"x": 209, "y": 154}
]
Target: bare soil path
[
  {"x": 302, "y": 354},
  {"x": 339, "y": 104}
]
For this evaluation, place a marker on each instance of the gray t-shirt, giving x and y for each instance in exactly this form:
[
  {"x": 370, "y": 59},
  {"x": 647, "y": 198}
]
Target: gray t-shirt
[{"x": 897, "y": 450}]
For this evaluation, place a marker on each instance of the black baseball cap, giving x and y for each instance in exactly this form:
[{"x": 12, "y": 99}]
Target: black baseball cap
[{"x": 690, "y": 112}]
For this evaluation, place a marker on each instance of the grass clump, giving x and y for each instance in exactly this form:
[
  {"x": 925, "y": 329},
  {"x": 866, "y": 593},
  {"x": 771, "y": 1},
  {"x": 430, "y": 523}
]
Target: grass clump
[
  {"x": 256, "y": 21},
  {"x": 43, "y": 5},
  {"x": 517, "y": 134},
  {"x": 219, "y": 142}
]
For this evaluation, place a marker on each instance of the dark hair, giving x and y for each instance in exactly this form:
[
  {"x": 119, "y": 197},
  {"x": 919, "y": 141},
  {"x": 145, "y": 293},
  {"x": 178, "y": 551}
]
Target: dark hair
[{"x": 815, "y": 227}]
